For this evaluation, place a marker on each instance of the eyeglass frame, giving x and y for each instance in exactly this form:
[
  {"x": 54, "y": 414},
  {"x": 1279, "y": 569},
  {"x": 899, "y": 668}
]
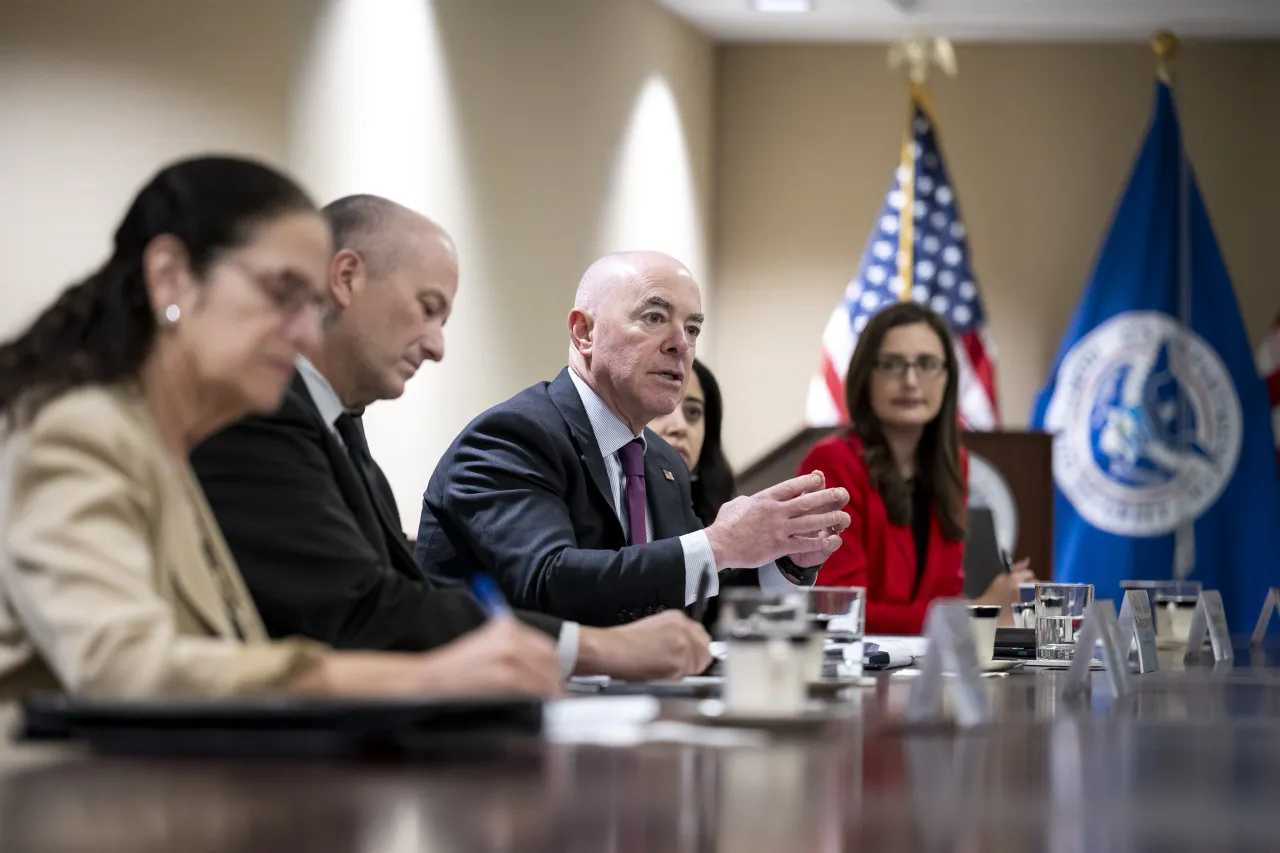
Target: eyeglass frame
[
  {"x": 270, "y": 284},
  {"x": 896, "y": 367}
]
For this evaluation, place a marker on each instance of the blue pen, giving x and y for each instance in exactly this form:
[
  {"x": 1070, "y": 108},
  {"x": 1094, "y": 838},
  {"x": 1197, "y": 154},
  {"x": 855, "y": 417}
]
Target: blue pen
[{"x": 490, "y": 597}]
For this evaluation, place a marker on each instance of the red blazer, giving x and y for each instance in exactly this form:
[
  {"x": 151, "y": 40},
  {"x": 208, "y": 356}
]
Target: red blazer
[{"x": 880, "y": 556}]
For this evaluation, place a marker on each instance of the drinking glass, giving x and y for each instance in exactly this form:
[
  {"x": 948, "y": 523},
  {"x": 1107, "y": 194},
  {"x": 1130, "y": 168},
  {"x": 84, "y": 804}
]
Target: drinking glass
[
  {"x": 767, "y": 650},
  {"x": 837, "y": 615},
  {"x": 1024, "y": 610},
  {"x": 1059, "y": 614},
  {"x": 1175, "y": 604}
]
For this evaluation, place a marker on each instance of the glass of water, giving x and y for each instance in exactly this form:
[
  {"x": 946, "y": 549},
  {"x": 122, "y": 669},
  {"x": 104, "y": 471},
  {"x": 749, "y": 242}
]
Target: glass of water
[
  {"x": 767, "y": 638},
  {"x": 1059, "y": 614},
  {"x": 1024, "y": 609},
  {"x": 1175, "y": 604},
  {"x": 837, "y": 616}
]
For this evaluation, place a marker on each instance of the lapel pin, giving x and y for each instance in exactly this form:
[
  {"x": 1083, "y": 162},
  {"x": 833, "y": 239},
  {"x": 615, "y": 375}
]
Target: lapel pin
[{"x": 668, "y": 475}]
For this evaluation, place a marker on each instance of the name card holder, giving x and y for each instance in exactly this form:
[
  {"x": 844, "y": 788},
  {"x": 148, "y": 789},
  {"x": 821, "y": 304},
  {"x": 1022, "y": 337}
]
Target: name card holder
[
  {"x": 1100, "y": 625},
  {"x": 1210, "y": 616},
  {"x": 951, "y": 665},
  {"x": 1269, "y": 605},
  {"x": 1138, "y": 625}
]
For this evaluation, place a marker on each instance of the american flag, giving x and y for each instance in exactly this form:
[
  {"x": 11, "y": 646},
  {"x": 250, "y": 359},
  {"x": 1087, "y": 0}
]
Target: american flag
[
  {"x": 917, "y": 250},
  {"x": 1269, "y": 367}
]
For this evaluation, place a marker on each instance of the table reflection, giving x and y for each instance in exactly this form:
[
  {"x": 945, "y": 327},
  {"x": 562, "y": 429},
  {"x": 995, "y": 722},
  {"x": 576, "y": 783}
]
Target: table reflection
[{"x": 1189, "y": 761}]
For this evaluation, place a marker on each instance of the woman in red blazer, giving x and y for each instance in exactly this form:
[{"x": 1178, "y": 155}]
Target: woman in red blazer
[{"x": 906, "y": 474}]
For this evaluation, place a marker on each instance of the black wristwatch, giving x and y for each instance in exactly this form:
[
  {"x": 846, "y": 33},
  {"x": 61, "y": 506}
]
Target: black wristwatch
[{"x": 798, "y": 575}]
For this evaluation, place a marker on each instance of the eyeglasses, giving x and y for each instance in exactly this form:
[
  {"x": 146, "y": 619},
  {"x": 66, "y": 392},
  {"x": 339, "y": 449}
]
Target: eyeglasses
[
  {"x": 289, "y": 293},
  {"x": 896, "y": 367}
]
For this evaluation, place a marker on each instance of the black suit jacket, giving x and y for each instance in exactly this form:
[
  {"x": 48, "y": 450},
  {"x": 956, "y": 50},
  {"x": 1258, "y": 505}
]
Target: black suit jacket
[
  {"x": 523, "y": 494},
  {"x": 308, "y": 540}
]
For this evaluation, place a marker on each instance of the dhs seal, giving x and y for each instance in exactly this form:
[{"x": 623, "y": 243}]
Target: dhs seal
[{"x": 1147, "y": 425}]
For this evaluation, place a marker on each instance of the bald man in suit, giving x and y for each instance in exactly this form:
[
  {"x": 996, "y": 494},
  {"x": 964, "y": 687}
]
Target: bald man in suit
[{"x": 584, "y": 513}]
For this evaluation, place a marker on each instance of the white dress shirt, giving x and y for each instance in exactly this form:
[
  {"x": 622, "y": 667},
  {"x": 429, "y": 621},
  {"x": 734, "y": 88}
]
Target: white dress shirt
[
  {"x": 612, "y": 435},
  {"x": 331, "y": 408}
]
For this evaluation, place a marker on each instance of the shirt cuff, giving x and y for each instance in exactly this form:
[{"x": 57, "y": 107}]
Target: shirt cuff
[
  {"x": 567, "y": 648},
  {"x": 698, "y": 557},
  {"x": 773, "y": 581}
]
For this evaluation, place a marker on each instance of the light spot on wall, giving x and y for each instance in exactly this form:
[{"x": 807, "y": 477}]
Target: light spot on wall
[
  {"x": 374, "y": 112},
  {"x": 653, "y": 201}
]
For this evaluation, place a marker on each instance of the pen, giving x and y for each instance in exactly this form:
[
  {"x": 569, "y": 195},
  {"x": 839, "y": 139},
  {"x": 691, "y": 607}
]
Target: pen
[
  {"x": 1008, "y": 564},
  {"x": 700, "y": 603},
  {"x": 490, "y": 597}
]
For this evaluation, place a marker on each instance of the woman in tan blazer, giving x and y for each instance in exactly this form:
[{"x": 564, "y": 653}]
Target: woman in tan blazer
[{"x": 114, "y": 577}]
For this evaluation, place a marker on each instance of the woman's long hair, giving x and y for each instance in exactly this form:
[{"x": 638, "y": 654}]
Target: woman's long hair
[
  {"x": 938, "y": 456},
  {"x": 713, "y": 478},
  {"x": 101, "y": 329}
]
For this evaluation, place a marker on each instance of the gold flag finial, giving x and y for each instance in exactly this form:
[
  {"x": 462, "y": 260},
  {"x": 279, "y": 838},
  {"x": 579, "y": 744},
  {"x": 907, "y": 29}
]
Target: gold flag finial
[
  {"x": 1166, "y": 45},
  {"x": 918, "y": 54}
]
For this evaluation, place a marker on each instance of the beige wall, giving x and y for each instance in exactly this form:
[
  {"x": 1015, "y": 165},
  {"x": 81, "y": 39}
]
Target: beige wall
[
  {"x": 1038, "y": 141},
  {"x": 95, "y": 96},
  {"x": 542, "y": 135},
  {"x": 545, "y": 134}
]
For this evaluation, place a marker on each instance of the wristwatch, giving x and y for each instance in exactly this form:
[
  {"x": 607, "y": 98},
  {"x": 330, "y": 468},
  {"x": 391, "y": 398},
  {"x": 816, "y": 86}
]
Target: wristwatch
[{"x": 798, "y": 575}]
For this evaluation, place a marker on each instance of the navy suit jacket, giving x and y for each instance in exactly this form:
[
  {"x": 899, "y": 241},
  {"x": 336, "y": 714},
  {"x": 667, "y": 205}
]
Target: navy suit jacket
[
  {"x": 313, "y": 550},
  {"x": 523, "y": 495}
]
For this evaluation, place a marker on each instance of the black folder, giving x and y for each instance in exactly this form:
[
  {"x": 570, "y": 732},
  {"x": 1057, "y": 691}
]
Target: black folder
[{"x": 285, "y": 725}]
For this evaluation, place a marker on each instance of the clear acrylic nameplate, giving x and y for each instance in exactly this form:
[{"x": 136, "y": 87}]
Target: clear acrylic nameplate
[
  {"x": 1269, "y": 606},
  {"x": 950, "y": 664},
  {"x": 1139, "y": 627},
  {"x": 1100, "y": 625},
  {"x": 1210, "y": 616}
]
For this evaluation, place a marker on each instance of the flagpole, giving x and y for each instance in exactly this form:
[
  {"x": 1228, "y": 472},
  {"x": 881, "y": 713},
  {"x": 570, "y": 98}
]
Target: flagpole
[
  {"x": 1166, "y": 46},
  {"x": 918, "y": 54},
  {"x": 907, "y": 215}
]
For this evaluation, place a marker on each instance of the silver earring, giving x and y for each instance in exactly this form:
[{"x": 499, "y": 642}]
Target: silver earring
[{"x": 172, "y": 314}]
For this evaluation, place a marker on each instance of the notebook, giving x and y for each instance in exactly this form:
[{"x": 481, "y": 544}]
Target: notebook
[{"x": 284, "y": 725}]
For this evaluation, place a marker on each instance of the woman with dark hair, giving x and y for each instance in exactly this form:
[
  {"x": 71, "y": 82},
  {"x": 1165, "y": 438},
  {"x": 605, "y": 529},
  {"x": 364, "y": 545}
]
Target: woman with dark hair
[
  {"x": 693, "y": 429},
  {"x": 114, "y": 578},
  {"x": 905, "y": 472}
]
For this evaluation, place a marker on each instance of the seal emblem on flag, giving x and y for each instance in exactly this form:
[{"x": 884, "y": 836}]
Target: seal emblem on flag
[{"x": 1147, "y": 425}]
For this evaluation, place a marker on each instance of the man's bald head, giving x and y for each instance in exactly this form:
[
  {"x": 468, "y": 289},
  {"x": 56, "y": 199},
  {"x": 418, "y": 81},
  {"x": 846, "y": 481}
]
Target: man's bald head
[
  {"x": 381, "y": 231},
  {"x": 633, "y": 328},
  {"x": 620, "y": 272},
  {"x": 392, "y": 283}
]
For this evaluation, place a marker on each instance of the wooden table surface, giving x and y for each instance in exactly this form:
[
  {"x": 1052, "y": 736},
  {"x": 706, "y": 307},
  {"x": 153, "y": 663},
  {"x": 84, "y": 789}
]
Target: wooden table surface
[{"x": 1189, "y": 763}]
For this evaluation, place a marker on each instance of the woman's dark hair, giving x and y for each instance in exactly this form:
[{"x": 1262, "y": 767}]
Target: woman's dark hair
[
  {"x": 713, "y": 478},
  {"x": 102, "y": 329},
  {"x": 938, "y": 456}
]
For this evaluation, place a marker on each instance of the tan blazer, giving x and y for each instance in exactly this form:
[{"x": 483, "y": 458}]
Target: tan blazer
[{"x": 114, "y": 577}]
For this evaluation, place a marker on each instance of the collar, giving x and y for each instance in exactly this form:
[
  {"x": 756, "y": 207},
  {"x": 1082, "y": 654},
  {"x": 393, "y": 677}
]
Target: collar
[
  {"x": 322, "y": 393},
  {"x": 611, "y": 433}
]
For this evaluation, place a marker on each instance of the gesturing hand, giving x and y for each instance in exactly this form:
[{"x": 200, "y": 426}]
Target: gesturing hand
[{"x": 799, "y": 518}]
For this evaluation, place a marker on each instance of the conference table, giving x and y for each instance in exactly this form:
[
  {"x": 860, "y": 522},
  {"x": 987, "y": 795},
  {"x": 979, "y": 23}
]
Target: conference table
[{"x": 1189, "y": 761}]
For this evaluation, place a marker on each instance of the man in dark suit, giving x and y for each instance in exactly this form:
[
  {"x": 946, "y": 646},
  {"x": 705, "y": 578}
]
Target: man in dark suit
[
  {"x": 310, "y": 516},
  {"x": 583, "y": 512}
]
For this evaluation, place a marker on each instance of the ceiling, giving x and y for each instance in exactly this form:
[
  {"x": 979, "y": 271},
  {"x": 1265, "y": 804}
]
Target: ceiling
[{"x": 984, "y": 20}]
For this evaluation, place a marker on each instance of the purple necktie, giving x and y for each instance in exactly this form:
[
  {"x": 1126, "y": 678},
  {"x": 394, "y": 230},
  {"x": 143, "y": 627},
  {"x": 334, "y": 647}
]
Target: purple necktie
[{"x": 633, "y": 468}]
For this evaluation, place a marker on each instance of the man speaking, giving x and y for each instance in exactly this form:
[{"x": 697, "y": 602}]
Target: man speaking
[{"x": 582, "y": 512}]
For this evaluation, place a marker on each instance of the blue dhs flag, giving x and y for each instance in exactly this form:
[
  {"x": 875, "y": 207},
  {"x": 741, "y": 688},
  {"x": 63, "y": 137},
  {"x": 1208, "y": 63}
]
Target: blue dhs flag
[{"x": 1163, "y": 461}]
